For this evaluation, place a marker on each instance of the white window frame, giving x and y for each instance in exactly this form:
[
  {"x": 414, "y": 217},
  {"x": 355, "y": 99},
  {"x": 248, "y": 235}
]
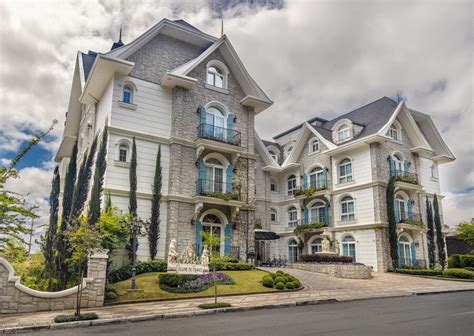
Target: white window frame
[
  {"x": 273, "y": 155},
  {"x": 312, "y": 143},
  {"x": 221, "y": 225},
  {"x": 347, "y": 215},
  {"x": 292, "y": 217},
  {"x": 218, "y": 65},
  {"x": 127, "y": 86},
  {"x": 394, "y": 133},
  {"x": 348, "y": 244},
  {"x": 405, "y": 249},
  {"x": 317, "y": 208},
  {"x": 294, "y": 185},
  {"x": 343, "y": 132},
  {"x": 293, "y": 244},
  {"x": 273, "y": 213},
  {"x": 316, "y": 174},
  {"x": 316, "y": 244},
  {"x": 347, "y": 177},
  {"x": 275, "y": 184},
  {"x": 401, "y": 205},
  {"x": 213, "y": 167}
]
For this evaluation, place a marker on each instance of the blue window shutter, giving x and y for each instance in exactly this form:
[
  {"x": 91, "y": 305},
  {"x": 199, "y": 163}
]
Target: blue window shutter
[
  {"x": 229, "y": 177},
  {"x": 305, "y": 180},
  {"x": 410, "y": 208},
  {"x": 202, "y": 114},
  {"x": 413, "y": 253},
  {"x": 230, "y": 128},
  {"x": 325, "y": 177},
  {"x": 405, "y": 167},
  {"x": 326, "y": 213},
  {"x": 202, "y": 176},
  {"x": 306, "y": 215},
  {"x": 391, "y": 165},
  {"x": 398, "y": 254},
  {"x": 198, "y": 244},
  {"x": 228, "y": 242}
]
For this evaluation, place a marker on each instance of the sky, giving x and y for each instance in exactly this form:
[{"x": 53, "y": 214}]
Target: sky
[{"x": 313, "y": 58}]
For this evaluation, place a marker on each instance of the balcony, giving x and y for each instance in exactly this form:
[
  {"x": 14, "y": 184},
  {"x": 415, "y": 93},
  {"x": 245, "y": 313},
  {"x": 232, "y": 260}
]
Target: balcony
[
  {"x": 309, "y": 224},
  {"x": 313, "y": 187},
  {"x": 408, "y": 218},
  {"x": 409, "y": 263},
  {"x": 219, "y": 134},
  {"x": 405, "y": 176},
  {"x": 216, "y": 189}
]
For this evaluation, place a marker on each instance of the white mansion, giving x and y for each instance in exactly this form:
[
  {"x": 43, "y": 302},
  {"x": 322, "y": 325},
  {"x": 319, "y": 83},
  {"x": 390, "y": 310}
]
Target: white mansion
[{"x": 189, "y": 92}]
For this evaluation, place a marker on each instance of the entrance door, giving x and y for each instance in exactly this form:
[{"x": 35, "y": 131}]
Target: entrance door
[{"x": 292, "y": 251}]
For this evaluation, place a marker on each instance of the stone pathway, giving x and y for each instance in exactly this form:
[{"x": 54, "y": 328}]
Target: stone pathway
[{"x": 317, "y": 287}]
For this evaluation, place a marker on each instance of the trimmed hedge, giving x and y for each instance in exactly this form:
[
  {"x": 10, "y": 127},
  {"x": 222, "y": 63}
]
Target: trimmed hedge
[
  {"x": 461, "y": 261},
  {"x": 280, "y": 285},
  {"x": 419, "y": 271},
  {"x": 191, "y": 283},
  {"x": 459, "y": 273},
  {"x": 280, "y": 280},
  {"x": 230, "y": 266},
  {"x": 176, "y": 280},
  {"x": 125, "y": 272},
  {"x": 267, "y": 282},
  {"x": 469, "y": 269},
  {"x": 74, "y": 318},
  {"x": 325, "y": 258}
]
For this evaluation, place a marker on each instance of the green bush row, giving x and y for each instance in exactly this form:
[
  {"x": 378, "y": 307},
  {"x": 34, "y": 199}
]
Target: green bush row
[
  {"x": 419, "y": 271},
  {"x": 459, "y": 273},
  {"x": 125, "y": 272},
  {"x": 461, "y": 261},
  {"x": 231, "y": 266}
]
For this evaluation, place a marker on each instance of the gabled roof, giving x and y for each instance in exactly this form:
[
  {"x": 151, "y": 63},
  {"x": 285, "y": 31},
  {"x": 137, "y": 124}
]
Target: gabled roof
[
  {"x": 186, "y": 24},
  {"x": 265, "y": 155},
  {"x": 87, "y": 62},
  {"x": 248, "y": 84}
]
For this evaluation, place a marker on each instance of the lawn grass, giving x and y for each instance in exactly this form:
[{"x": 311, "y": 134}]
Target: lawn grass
[{"x": 246, "y": 282}]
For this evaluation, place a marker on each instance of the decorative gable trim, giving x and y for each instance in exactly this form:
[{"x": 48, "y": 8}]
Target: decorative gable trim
[{"x": 265, "y": 155}]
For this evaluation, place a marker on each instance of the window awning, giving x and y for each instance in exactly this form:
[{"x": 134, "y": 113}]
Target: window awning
[{"x": 265, "y": 235}]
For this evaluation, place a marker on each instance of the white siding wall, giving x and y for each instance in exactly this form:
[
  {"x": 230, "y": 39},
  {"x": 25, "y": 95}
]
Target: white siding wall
[
  {"x": 117, "y": 176},
  {"x": 366, "y": 252},
  {"x": 364, "y": 207},
  {"x": 430, "y": 184},
  {"x": 361, "y": 168},
  {"x": 104, "y": 108},
  {"x": 153, "y": 112}
]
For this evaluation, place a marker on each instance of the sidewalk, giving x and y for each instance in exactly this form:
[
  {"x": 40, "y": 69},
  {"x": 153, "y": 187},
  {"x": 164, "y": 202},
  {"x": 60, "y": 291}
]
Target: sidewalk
[{"x": 318, "y": 288}]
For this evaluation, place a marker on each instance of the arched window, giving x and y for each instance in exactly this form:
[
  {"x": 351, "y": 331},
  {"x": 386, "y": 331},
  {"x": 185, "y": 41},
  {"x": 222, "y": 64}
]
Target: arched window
[
  {"x": 313, "y": 146},
  {"x": 212, "y": 225},
  {"x": 405, "y": 251},
  {"x": 215, "y": 76},
  {"x": 349, "y": 247},
  {"x": 398, "y": 163},
  {"x": 347, "y": 209},
  {"x": 274, "y": 156},
  {"x": 317, "y": 213},
  {"x": 292, "y": 217},
  {"x": 316, "y": 178},
  {"x": 343, "y": 133},
  {"x": 291, "y": 185},
  {"x": 394, "y": 133},
  {"x": 214, "y": 176},
  {"x": 400, "y": 208},
  {"x": 292, "y": 250},
  {"x": 273, "y": 185},
  {"x": 273, "y": 215},
  {"x": 127, "y": 94},
  {"x": 123, "y": 154},
  {"x": 345, "y": 171},
  {"x": 215, "y": 123},
  {"x": 316, "y": 246}
]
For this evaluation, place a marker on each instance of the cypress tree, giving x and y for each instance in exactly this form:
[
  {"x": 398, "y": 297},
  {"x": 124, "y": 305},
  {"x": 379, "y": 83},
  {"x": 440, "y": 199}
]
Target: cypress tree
[
  {"x": 132, "y": 202},
  {"x": 62, "y": 246},
  {"x": 98, "y": 185},
  {"x": 108, "y": 201},
  {"x": 154, "y": 231},
  {"x": 430, "y": 234},
  {"x": 51, "y": 234},
  {"x": 81, "y": 189},
  {"x": 439, "y": 234},
  {"x": 392, "y": 223}
]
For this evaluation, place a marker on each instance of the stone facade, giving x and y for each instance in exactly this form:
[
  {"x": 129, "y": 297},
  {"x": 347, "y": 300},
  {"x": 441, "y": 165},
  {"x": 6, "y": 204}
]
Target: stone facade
[
  {"x": 17, "y": 298},
  {"x": 347, "y": 271}
]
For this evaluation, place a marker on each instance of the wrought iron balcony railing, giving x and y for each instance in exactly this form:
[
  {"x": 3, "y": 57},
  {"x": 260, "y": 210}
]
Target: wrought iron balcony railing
[
  {"x": 220, "y": 134},
  {"x": 405, "y": 176},
  {"x": 322, "y": 220},
  {"x": 217, "y": 189},
  {"x": 312, "y": 187},
  {"x": 408, "y": 218}
]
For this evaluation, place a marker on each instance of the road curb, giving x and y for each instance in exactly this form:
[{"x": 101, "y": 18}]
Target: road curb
[{"x": 141, "y": 318}]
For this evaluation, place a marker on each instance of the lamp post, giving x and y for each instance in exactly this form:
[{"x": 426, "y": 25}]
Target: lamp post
[{"x": 136, "y": 226}]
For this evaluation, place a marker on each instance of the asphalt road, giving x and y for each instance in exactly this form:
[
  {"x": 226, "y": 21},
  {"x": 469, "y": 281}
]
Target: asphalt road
[{"x": 441, "y": 314}]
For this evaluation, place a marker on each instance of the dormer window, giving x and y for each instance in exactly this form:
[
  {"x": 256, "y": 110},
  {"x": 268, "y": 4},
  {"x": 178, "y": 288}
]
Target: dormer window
[
  {"x": 394, "y": 132},
  {"x": 274, "y": 156},
  {"x": 343, "y": 133},
  {"x": 127, "y": 94},
  {"x": 216, "y": 75}
]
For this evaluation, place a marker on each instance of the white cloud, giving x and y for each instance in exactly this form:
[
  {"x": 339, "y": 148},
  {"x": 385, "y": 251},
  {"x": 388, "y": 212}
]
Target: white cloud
[{"x": 314, "y": 58}]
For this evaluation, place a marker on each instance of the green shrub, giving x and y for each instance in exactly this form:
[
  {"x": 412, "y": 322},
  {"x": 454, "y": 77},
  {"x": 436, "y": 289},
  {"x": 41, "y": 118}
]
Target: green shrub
[
  {"x": 125, "y": 272},
  {"x": 73, "y": 318},
  {"x": 175, "y": 280},
  {"x": 273, "y": 275},
  {"x": 280, "y": 285},
  {"x": 454, "y": 261},
  {"x": 459, "y": 273},
  {"x": 267, "y": 282},
  {"x": 280, "y": 272},
  {"x": 467, "y": 260},
  {"x": 461, "y": 261},
  {"x": 469, "y": 269},
  {"x": 296, "y": 283},
  {"x": 111, "y": 296},
  {"x": 429, "y": 272},
  {"x": 289, "y": 285},
  {"x": 267, "y": 277},
  {"x": 279, "y": 279}
]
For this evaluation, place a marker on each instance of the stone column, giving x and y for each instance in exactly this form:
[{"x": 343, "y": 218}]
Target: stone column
[{"x": 97, "y": 270}]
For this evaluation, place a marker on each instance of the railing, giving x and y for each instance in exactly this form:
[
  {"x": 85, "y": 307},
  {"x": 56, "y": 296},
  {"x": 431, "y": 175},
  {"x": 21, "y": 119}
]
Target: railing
[
  {"x": 323, "y": 221},
  {"x": 405, "y": 176},
  {"x": 411, "y": 263},
  {"x": 234, "y": 251},
  {"x": 312, "y": 187},
  {"x": 217, "y": 189},
  {"x": 221, "y": 134},
  {"x": 408, "y": 218}
]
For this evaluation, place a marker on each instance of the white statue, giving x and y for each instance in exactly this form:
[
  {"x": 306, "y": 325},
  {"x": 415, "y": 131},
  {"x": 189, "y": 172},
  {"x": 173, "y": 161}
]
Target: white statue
[
  {"x": 205, "y": 257},
  {"x": 326, "y": 245},
  {"x": 172, "y": 254},
  {"x": 336, "y": 247},
  {"x": 190, "y": 253}
]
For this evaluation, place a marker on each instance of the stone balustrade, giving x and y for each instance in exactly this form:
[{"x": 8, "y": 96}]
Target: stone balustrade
[{"x": 348, "y": 271}]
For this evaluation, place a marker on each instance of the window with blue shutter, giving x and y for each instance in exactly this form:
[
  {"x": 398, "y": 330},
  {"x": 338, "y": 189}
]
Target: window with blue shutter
[
  {"x": 228, "y": 241},
  {"x": 413, "y": 253},
  {"x": 230, "y": 128},
  {"x": 399, "y": 255},
  {"x": 202, "y": 176},
  {"x": 410, "y": 208},
  {"x": 405, "y": 167},
  {"x": 305, "y": 180},
  {"x": 391, "y": 164},
  {"x": 229, "y": 177},
  {"x": 326, "y": 213},
  {"x": 325, "y": 177},
  {"x": 306, "y": 215},
  {"x": 198, "y": 243}
]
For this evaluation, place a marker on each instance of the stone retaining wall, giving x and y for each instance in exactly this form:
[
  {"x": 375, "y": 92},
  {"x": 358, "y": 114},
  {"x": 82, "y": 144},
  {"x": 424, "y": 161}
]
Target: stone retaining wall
[
  {"x": 348, "y": 271},
  {"x": 17, "y": 298}
]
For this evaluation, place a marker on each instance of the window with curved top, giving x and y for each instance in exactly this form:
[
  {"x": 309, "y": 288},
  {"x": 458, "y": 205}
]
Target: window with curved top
[
  {"x": 314, "y": 146},
  {"x": 316, "y": 246},
  {"x": 215, "y": 77},
  {"x": 292, "y": 250},
  {"x": 291, "y": 183},
  {"x": 215, "y": 123},
  {"x": 398, "y": 163},
  {"x": 394, "y": 133},
  {"x": 316, "y": 178},
  {"x": 347, "y": 209},
  {"x": 214, "y": 176},
  {"x": 127, "y": 94},
  {"x": 123, "y": 152},
  {"x": 345, "y": 171},
  {"x": 212, "y": 226},
  {"x": 292, "y": 217},
  {"x": 343, "y": 133},
  {"x": 349, "y": 247},
  {"x": 274, "y": 156},
  {"x": 317, "y": 213}
]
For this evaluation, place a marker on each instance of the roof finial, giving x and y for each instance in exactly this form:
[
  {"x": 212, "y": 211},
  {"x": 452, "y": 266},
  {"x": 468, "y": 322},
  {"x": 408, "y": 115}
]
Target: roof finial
[
  {"x": 399, "y": 96},
  {"x": 120, "y": 34},
  {"x": 222, "y": 27}
]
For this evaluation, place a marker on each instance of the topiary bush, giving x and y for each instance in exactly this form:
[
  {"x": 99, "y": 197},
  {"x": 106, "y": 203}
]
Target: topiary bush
[
  {"x": 459, "y": 273},
  {"x": 280, "y": 285},
  {"x": 454, "y": 261},
  {"x": 296, "y": 283},
  {"x": 125, "y": 272},
  {"x": 289, "y": 285},
  {"x": 279, "y": 279},
  {"x": 267, "y": 282}
]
